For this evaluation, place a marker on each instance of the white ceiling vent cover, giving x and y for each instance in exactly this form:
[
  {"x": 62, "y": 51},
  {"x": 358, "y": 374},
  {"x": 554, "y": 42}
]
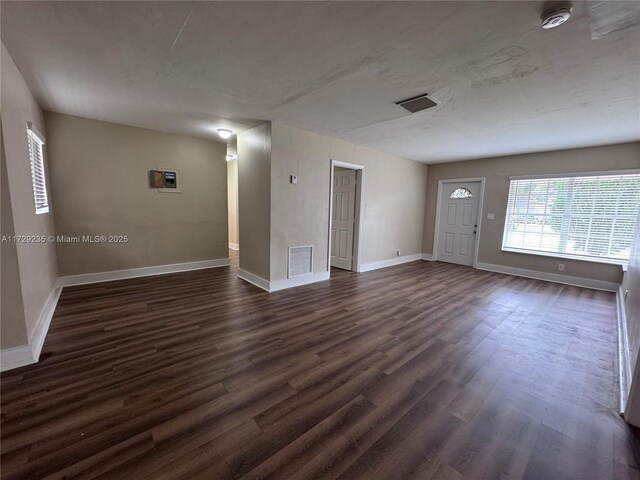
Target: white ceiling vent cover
[{"x": 300, "y": 261}]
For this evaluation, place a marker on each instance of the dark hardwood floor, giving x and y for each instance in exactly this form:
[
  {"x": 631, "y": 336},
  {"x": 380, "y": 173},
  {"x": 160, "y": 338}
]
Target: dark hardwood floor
[{"x": 424, "y": 371}]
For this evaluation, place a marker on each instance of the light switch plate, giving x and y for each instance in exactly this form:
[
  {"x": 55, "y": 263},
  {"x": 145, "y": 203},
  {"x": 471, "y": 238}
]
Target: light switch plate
[
  {"x": 491, "y": 216},
  {"x": 294, "y": 179}
]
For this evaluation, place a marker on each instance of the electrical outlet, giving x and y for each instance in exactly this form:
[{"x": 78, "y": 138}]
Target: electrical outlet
[
  {"x": 293, "y": 179},
  {"x": 561, "y": 267},
  {"x": 397, "y": 253},
  {"x": 491, "y": 216}
]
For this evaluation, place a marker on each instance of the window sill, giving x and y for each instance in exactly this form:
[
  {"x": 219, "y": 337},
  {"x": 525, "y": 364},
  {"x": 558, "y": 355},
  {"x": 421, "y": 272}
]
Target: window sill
[{"x": 607, "y": 261}]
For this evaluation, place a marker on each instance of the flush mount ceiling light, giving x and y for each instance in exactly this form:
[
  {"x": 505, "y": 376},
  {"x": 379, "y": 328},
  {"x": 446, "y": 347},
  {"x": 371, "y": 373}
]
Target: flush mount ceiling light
[
  {"x": 555, "y": 18},
  {"x": 230, "y": 157},
  {"x": 225, "y": 132}
]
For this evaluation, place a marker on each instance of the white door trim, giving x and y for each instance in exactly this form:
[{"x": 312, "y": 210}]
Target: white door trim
[
  {"x": 437, "y": 225},
  {"x": 624, "y": 355},
  {"x": 357, "y": 231}
]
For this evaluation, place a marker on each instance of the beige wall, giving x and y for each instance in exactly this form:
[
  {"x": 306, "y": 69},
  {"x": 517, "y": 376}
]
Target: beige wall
[
  {"x": 100, "y": 180},
  {"x": 497, "y": 172},
  {"x": 394, "y": 198},
  {"x": 254, "y": 199},
  {"x": 36, "y": 261},
  {"x": 232, "y": 198},
  {"x": 13, "y": 330}
]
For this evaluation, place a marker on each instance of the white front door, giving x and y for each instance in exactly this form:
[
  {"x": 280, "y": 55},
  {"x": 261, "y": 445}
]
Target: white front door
[
  {"x": 458, "y": 222},
  {"x": 343, "y": 218}
]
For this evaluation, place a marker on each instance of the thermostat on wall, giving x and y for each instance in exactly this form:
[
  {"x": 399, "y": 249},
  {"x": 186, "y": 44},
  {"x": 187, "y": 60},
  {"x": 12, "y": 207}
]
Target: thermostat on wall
[{"x": 165, "y": 180}]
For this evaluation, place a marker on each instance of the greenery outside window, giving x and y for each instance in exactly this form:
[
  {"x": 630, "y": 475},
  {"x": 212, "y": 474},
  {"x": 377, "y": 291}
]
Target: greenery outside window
[{"x": 588, "y": 217}]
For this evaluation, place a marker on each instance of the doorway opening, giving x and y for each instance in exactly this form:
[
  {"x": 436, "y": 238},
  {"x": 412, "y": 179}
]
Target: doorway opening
[
  {"x": 232, "y": 202},
  {"x": 458, "y": 219},
  {"x": 345, "y": 211}
]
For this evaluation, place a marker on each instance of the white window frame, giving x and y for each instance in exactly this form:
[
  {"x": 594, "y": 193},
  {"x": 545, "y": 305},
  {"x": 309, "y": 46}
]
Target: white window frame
[
  {"x": 38, "y": 174},
  {"x": 585, "y": 258}
]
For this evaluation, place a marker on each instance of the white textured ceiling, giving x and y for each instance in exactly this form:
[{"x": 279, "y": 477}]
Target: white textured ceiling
[{"x": 503, "y": 85}]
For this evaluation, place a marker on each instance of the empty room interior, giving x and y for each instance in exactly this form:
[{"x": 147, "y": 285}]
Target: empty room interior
[{"x": 320, "y": 240}]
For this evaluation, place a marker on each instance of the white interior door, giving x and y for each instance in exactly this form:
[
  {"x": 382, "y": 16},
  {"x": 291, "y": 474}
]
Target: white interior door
[
  {"x": 343, "y": 218},
  {"x": 458, "y": 222}
]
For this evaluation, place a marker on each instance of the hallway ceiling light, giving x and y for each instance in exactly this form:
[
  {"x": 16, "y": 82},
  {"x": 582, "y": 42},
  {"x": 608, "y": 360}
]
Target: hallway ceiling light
[{"x": 225, "y": 132}]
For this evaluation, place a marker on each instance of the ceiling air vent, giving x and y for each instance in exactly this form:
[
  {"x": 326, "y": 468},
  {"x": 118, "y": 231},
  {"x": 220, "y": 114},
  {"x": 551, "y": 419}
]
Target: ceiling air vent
[{"x": 417, "y": 104}]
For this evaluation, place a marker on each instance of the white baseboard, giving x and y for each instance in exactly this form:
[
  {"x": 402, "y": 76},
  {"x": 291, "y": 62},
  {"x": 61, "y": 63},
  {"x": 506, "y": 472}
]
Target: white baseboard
[
  {"x": 427, "y": 256},
  {"x": 367, "y": 267},
  {"x": 283, "y": 284},
  {"x": 234, "y": 246},
  {"x": 86, "y": 278},
  {"x": 550, "y": 277},
  {"x": 254, "y": 279},
  {"x": 42, "y": 327},
  {"x": 15, "y": 357},
  {"x": 298, "y": 281},
  {"x": 624, "y": 357}
]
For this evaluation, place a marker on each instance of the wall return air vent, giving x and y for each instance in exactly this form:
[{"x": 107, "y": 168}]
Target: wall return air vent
[
  {"x": 300, "y": 261},
  {"x": 417, "y": 104}
]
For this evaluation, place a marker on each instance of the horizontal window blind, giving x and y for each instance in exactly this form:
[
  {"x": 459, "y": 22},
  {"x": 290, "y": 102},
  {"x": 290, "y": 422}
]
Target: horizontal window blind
[
  {"x": 590, "y": 216},
  {"x": 36, "y": 156}
]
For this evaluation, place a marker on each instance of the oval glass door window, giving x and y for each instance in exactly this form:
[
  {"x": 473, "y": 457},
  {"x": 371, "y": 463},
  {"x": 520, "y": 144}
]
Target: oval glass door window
[{"x": 461, "y": 193}]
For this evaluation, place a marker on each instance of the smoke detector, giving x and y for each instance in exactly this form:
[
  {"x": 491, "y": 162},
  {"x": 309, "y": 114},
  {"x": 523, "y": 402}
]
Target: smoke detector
[{"x": 555, "y": 18}]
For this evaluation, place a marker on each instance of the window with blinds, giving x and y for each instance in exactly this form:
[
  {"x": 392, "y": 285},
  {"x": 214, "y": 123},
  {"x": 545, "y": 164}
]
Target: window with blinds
[
  {"x": 589, "y": 217},
  {"x": 38, "y": 179}
]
